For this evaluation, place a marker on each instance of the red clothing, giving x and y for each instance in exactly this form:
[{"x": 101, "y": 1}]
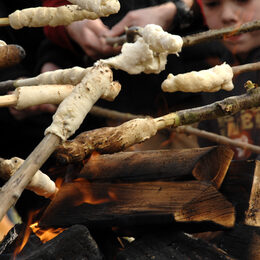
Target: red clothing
[{"x": 58, "y": 34}]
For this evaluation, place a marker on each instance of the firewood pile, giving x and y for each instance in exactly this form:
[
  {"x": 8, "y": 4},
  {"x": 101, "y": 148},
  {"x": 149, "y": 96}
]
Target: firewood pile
[{"x": 191, "y": 203}]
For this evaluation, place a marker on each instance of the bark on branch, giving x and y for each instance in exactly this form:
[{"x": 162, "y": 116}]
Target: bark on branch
[{"x": 115, "y": 139}]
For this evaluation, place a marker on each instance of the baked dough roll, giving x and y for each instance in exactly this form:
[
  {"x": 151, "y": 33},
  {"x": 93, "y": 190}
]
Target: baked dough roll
[
  {"x": 100, "y": 7},
  {"x": 211, "y": 80}
]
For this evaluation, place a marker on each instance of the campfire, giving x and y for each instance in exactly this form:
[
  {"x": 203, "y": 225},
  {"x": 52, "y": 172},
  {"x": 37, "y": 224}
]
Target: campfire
[{"x": 106, "y": 201}]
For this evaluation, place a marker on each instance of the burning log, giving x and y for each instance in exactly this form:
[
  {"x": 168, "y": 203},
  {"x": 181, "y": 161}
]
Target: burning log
[
  {"x": 209, "y": 164},
  {"x": 40, "y": 183},
  {"x": 66, "y": 121},
  {"x": 75, "y": 242},
  {"x": 10, "y": 55},
  {"x": 128, "y": 204},
  {"x": 115, "y": 139}
]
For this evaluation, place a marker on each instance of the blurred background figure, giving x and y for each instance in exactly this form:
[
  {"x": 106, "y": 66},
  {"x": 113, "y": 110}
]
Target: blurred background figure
[{"x": 245, "y": 48}]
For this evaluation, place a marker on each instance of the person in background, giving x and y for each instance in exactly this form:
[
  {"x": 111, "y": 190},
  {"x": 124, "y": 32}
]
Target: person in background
[
  {"x": 140, "y": 94},
  {"x": 245, "y": 48}
]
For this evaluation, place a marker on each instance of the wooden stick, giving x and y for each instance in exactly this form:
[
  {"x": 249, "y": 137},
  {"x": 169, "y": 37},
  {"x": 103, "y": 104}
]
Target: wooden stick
[
  {"x": 40, "y": 184},
  {"x": 8, "y": 100},
  {"x": 13, "y": 189},
  {"x": 197, "y": 38},
  {"x": 28, "y": 96},
  {"x": 97, "y": 82},
  {"x": 4, "y": 21},
  {"x": 115, "y": 139},
  {"x": 115, "y": 115},
  {"x": 217, "y": 138},
  {"x": 74, "y": 76}
]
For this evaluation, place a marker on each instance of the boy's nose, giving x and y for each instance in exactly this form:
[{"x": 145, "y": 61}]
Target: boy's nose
[{"x": 230, "y": 14}]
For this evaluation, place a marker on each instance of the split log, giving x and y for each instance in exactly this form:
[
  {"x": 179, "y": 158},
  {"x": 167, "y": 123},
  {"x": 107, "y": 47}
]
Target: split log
[
  {"x": 166, "y": 244},
  {"x": 115, "y": 139},
  {"x": 253, "y": 213},
  {"x": 237, "y": 186},
  {"x": 66, "y": 121},
  {"x": 142, "y": 203},
  {"x": 206, "y": 164}
]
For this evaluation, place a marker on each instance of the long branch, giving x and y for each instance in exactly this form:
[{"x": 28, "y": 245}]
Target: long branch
[
  {"x": 115, "y": 115},
  {"x": 115, "y": 139},
  {"x": 193, "y": 39}
]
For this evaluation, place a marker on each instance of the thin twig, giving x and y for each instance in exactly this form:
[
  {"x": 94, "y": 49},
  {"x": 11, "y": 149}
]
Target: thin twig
[
  {"x": 193, "y": 39},
  {"x": 217, "y": 138}
]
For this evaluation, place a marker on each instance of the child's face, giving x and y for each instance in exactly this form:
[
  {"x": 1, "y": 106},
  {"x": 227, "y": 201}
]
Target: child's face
[{"x": 224, "y": 13}]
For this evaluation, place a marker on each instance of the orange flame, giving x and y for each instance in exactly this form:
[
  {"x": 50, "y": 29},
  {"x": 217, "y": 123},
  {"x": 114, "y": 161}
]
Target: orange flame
[
  {"x": 45, "y": 234},
  {"x": 27, "y": 233},
  {"x": 87, "y": 196}
]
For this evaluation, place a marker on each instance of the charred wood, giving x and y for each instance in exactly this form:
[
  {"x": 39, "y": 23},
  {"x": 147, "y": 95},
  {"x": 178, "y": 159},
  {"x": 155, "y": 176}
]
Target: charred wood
[{"x": 168, "y": 244}]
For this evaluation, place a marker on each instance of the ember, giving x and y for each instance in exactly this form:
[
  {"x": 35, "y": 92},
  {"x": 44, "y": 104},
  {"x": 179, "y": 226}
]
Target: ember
[{"x": 45, "y": 234}]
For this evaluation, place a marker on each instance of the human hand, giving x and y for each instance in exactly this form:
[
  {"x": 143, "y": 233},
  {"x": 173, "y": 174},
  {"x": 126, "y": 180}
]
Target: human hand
[
  {"x": 31, "y": 111},
  {"x": 89, "y": 34},
  {"x": 161, "y": 15}
]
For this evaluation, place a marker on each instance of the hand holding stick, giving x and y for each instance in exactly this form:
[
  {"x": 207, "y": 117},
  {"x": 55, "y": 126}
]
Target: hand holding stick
[{"x": 67, "y": 119}]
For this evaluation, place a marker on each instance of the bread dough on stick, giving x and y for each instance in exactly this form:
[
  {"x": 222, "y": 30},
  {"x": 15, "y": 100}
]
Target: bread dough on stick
[
  {"x": 75, "y": 107},
  {"x": 148, "y": 53},
  {"x": 40, "y": 184},
  {"x": 50, "y": 94},
  {"x": 62, "y": 76},
  {"x": 211, "y": 80},
  {"x": 100, "y": 7},
  {"x": 52, "y": 16},
  {"x": 43, "y": 94},
  {"x": 137, "y": 57},
  {"x": 161, "y": 41}
]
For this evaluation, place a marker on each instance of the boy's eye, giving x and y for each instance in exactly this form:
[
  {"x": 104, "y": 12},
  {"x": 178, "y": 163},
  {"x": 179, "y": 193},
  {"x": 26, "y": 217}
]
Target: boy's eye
[
  {"x": 211, "y": 4},
  {"x": 243, "y": 1}
]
